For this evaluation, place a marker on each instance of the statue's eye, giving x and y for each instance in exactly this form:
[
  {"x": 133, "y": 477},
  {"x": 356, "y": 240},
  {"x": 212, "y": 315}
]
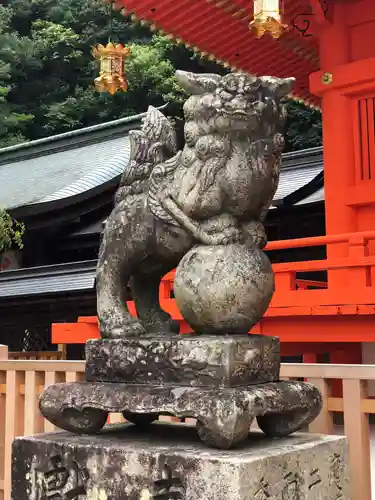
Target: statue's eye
[
  {"x": 252, "y": 87},
  {"x": 225, "y": 95},
  {"x": 231, "y": 86}
]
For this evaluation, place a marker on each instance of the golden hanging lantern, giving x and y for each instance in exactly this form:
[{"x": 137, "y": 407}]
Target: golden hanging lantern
[
  {"x": 267, "y": 19},
  {"x": 112, "y": 67}
]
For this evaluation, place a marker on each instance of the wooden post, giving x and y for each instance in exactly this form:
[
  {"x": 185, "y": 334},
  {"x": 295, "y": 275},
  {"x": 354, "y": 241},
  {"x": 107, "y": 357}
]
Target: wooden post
[
  {"x": 323, "y": 424},
  {"x": 62, "y": 348},
  {"x": 3, "y": 356},
  {"x": 14, "y": 422},
  {"x": 33, "y": 423},
  {"x": 3, "y": 352},
  {"x": 50, "y": 379},
  {"x": 356, "y": 425}
]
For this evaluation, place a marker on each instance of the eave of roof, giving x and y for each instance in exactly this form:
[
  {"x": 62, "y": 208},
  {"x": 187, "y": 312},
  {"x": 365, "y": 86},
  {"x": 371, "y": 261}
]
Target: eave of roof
[
  {"x": 301, "y": 178},
  {"x": 61, "y": 278},
  {"x": 218, "y": 29},
  {"x": 36, "y": 175},
  {"x": 67, "y": 140},
  {"x": 300, "y": 170}
]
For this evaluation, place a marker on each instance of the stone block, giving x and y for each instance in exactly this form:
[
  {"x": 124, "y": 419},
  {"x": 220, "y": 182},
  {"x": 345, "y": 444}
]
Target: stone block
[
  {"x": 224, "y": 414},
  {"x": 186, "y": 360},
  {"x": 168, "y": 462}
]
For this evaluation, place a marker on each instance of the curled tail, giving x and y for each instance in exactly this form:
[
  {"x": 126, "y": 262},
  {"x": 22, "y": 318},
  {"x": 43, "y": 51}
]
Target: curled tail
[{"x": 154, "y": 143}]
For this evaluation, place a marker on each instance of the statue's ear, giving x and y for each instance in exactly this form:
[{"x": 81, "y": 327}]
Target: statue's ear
[
  {"x": 285, "y": 86},
  {"x": 196, "y": 84},
  {"x": 280, "y": 86}
]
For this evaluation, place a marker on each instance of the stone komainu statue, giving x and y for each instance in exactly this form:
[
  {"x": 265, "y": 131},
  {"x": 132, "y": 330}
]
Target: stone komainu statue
[
  {"x": 200, "y": 210},
  {"x": 216, "y": 191}
]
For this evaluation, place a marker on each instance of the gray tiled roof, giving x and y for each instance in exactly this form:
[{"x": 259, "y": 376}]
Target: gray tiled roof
[
  {"x": 64, "y": 165},
  {"x": 62, "y": 174},
  {"x": 296, "y": 176},
  {"x": 313, "y": 198},
  {"x": 77, "y": 276},
  {"x": 298, "y": 169},
  {"x": 72, "y": 163}
]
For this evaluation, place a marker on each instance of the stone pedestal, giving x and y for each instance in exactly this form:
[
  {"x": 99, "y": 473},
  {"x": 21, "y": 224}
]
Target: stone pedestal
[
  {"x": 168, "y": 462},
  {"x": 223, "y": 382},
  {"x": 185, "y": 360}
]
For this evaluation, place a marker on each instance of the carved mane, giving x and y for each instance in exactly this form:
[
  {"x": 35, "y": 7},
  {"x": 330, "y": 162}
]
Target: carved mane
[{"x": 155, "y": 142}]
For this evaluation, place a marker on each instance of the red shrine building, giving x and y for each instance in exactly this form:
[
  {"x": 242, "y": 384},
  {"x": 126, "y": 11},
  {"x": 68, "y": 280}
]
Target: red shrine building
[{"x": 328, "y": 46}]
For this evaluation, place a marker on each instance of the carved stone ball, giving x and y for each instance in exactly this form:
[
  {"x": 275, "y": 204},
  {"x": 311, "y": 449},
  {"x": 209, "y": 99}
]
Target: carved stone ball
[{"x": 223, "y": 289}]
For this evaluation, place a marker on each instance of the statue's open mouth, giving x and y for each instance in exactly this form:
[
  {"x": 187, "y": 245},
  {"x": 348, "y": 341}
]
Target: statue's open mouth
[{"x": 237, "y": 114}]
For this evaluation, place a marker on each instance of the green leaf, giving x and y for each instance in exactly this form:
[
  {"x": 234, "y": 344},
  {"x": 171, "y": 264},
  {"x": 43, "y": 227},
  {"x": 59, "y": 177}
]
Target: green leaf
[{"x": 11, "y": 232}]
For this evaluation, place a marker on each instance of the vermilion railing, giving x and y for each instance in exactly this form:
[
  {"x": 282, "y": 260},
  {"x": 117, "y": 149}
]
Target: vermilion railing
[
  {"x": 302, "y": 310},
  {"x": 357, "y": 268}
]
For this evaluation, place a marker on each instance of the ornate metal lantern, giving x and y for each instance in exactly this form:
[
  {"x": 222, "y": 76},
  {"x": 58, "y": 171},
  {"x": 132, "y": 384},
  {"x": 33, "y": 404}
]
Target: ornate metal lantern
[
  {"x": 267, "y": 18},
  {"x": 112, "y": 67}
]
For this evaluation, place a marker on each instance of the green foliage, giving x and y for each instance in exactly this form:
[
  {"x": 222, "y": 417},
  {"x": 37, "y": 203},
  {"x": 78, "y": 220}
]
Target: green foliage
[
  {"x": 304, "y": 127},
  {"x": 11, "y": 232},
  {"x": 12, "y": 122},
  {"x": 47, "y": 71}
]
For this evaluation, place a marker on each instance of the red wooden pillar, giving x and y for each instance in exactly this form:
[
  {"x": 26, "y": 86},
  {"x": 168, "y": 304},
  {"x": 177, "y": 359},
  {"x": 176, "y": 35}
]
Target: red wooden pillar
[
  {"x": 346, "y": 84},
  {"x": 310, "y": 357},
  {"x": 348, "y": 354}
]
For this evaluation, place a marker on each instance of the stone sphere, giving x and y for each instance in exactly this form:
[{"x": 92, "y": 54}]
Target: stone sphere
[{"x": 223, "y": 289}]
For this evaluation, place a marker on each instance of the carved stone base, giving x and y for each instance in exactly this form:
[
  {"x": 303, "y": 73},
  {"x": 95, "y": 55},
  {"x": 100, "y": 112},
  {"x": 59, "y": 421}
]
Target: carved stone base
[
  {"x": 169, "y": 462},
  {"x": 224, "y": 382},
  {"x": 224, "y": 415},
  {"x": 191, "y": 360}
]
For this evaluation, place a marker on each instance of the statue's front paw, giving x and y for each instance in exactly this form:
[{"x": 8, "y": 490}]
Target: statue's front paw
[
  {"x": 257, "y": 233},
  {"x": 260, "y": 240},
  {"x": 128, "y": 330},
  {"x": 168, "y": 326},
  {"x": 113, "y": 327},
  {"x": 228, "y": 236}
]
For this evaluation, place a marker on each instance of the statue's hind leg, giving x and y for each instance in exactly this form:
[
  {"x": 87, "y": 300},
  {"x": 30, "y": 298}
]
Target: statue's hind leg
[{"x": 145, "y": 293}]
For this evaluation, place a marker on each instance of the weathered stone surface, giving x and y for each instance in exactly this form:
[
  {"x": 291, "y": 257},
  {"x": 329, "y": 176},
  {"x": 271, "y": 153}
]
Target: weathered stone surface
[
  {"x": 187, "y": 360},
  {"x": 208, "y": 203},
  {"x": 216, "y": 192},
  {"x": 168, "y": 462},
  {"x": 224, "y": 414},
  {"x": 223, "y": 288}
]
